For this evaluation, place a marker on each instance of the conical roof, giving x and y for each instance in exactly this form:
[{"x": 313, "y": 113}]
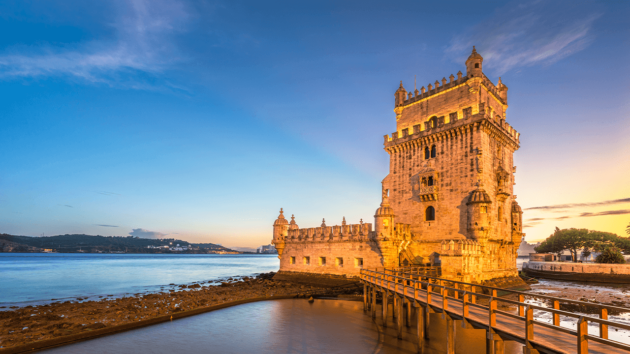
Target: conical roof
[
  {"x": 474, "y": 55},
  {"x": 385, "y": 209},
  {"x": 281, "y": 220}
]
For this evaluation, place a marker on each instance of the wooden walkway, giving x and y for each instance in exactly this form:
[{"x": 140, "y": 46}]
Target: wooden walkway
[{"x": 449, "y": 298}]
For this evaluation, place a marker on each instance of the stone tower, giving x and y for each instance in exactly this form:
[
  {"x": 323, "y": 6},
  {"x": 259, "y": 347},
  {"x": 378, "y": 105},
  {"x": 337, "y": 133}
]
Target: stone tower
[
  {"x": 451, "y": 175},
  {"x": 448, "y": 198}
]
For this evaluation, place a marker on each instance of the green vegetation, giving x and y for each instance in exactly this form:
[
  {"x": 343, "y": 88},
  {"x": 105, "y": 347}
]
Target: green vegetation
[
  {"x": 628, "y": 229},
  {"x": 585, "y": 240},
  {"x": 100, "y": 244},
  {"x": 610, "y": 254}
]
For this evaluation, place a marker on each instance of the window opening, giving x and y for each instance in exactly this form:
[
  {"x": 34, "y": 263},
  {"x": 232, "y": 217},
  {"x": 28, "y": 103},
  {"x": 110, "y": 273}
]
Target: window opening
[
  {"x": 322, "y": 261},
  {"x": 307, "y": 260},
  {"x": 292, "y": 261},
  {"x": 433, "y": 151},
  {"x": 430, "y": 214},
  {"x": 339, "y": 262},
  {"x": 358, "y": 262}
]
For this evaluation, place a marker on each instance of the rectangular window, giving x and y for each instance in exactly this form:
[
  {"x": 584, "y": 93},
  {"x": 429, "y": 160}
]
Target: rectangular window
[
  {"x": 358, "y": 262},
  {"x": 484, "y": 209},
  {"x": 322, "y": 261},
  {"x": 307, "y": 260},
  {"x": 292, "y": 261},
  {"x": 339, "y": 262}
]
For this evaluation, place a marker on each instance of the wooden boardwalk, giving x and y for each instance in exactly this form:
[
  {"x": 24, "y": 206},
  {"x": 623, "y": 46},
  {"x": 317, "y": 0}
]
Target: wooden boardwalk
[{"x": 455, "y": 303}]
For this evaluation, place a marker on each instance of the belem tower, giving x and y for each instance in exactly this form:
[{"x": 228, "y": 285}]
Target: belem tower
[{"x": 448, "y": 198}]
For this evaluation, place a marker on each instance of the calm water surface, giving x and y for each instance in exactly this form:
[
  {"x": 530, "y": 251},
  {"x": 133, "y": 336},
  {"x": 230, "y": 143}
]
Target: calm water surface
[
  {"x": 29, "y": 278},
  {"x": 284, "y": 326}
]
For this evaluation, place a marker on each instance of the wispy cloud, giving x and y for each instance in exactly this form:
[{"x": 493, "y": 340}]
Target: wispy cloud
[
  {"x": 146, "y": 233},
  {"x": 102, "y": 225},
  {"x": 536, "y": 221},
  {"x": 528, "y": 33},
  {"x": 66, "y": 205},
  {"x": 604, "y": 213},
  {"x": 142, "y": 45},
  {"x": 580, "y": 205}
]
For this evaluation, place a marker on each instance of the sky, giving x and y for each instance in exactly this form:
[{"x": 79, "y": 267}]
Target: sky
[{"x": 199, "y": 120}]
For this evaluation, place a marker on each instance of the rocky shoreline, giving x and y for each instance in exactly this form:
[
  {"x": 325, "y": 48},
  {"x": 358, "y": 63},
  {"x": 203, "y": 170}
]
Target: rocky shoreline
[{"x": 51, "y": 321}]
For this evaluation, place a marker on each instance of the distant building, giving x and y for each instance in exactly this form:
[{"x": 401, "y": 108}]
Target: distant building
[{"x": 268, "y": 249}]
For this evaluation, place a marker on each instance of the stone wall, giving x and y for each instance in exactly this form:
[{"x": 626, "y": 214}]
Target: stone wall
[
  {"x": 355, "y": 255},
  {"x": 590, "y": 268}
]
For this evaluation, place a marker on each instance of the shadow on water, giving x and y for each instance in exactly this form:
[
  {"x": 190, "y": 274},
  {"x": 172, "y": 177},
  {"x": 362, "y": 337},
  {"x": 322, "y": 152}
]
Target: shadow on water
[{"x": 284, "y": 326}]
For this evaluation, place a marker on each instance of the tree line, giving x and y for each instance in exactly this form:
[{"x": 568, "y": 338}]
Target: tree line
[{"x": 611, "y": 247}]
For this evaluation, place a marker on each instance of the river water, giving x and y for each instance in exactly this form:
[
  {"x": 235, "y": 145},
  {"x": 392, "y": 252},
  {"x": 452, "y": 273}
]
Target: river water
[
  {"x": 284, "y": 326},
  {"x": 34, "y": 278}
]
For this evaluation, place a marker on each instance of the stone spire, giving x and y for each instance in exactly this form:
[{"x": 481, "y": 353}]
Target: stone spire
[
  {"x": 292, "y": 224},
  {"x": 323, "y": 222},
  {"x": 344, "y": 221},
  {"x": 281, "y": 220}
]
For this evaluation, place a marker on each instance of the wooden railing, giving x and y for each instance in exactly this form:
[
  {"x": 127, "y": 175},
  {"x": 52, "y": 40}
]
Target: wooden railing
[{"x": 421, "y": 279}]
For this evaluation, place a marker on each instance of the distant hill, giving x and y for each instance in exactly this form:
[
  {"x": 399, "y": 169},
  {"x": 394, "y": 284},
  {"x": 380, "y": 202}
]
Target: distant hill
[{"x": 104, "y": 244}]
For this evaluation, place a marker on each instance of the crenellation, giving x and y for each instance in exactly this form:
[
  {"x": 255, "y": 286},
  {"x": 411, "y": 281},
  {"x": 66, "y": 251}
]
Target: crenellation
[{"x": 448, "y": 198}]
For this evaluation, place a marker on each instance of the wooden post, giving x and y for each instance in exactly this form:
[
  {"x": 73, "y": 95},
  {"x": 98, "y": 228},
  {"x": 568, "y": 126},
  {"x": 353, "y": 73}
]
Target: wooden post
[
  {"x": 425, "y": 314},
  {"x": 490, "y": 341},
  {"x": 365, "y": 295},
  {"x": 394, "y": 305},
  {"x": 582, "y": 332},
  {"x": 521, "y": 308},
  {"x": 374, "y": 302},
  {"x": 385, "y": 299},
  {"x": 408, "y": 312},
  {"x": 456, "y": 292},
  {"x": 473, "y": 297},
  {"x": 603, "y": 328},
  {"x": 529, "y": 324},
  {"x": 429, "y": 289},
  {"x": 450, "y": 335},
  {"x": 499, "y": 345},
  {"x": 400, "y": 318},
  {"x": 444, "y": 303},
  {"x": 420, "y": 329},
  {"x": 556, "y": 317},
  {"x": 464, "y": 308},
  {"x": 492, "y": 315}
]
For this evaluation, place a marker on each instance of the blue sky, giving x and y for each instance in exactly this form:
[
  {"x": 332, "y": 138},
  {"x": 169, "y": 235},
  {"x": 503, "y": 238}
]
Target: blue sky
[{"x": 199, "y": 120}]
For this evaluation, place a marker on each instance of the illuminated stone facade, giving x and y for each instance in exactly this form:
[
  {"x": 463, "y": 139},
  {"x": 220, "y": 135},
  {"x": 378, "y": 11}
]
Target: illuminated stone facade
[{"x": 448, "y": 197}]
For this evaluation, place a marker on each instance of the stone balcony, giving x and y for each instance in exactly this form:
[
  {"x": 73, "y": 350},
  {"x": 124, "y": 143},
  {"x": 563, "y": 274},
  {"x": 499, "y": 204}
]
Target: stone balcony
[{"x": 428, "y": 193}]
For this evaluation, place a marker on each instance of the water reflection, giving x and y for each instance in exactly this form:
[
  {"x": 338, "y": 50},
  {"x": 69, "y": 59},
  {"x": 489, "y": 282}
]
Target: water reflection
[{"x": 283, "y": 326}]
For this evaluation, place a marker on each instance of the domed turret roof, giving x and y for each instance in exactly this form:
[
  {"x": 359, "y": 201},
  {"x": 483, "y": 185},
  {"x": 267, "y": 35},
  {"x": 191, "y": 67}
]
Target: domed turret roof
[
  {"x": 474, "y": 55},
  {"x": 479, "y": 196},
  {"x": 281, "y": 220},
  {"x": 292, "y": 224},
  {"x": 516, "y": 208},
  {"x": 385, "y": 209}
]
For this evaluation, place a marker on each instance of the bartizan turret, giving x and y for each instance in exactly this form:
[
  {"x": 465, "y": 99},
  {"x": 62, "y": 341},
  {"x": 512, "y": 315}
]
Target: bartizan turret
[
  {"x": 280, "y": 232},
  {"x": 384, "y": 234},
  {"x": 401, "y": 95},
  {"x": 478, "y": 220},
  {"x": 502, "y": 91},
  {"x": 474, "y": 64},
  {"x": 517, "y": 223}
]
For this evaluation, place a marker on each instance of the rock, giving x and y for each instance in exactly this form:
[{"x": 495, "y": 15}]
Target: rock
[{"x": 311, "y": 300}]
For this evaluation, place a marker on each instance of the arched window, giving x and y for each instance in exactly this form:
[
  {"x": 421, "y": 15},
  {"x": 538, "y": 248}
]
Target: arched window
[
  {"x": 430, "y": 181},
  {"x": 500, "y": 213},
  {"x": 424, "y": 181},
  {"x": 430, "y": 214},
  {"x": 433, "y": 151},
  {"x": 427, "y": 153}
]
